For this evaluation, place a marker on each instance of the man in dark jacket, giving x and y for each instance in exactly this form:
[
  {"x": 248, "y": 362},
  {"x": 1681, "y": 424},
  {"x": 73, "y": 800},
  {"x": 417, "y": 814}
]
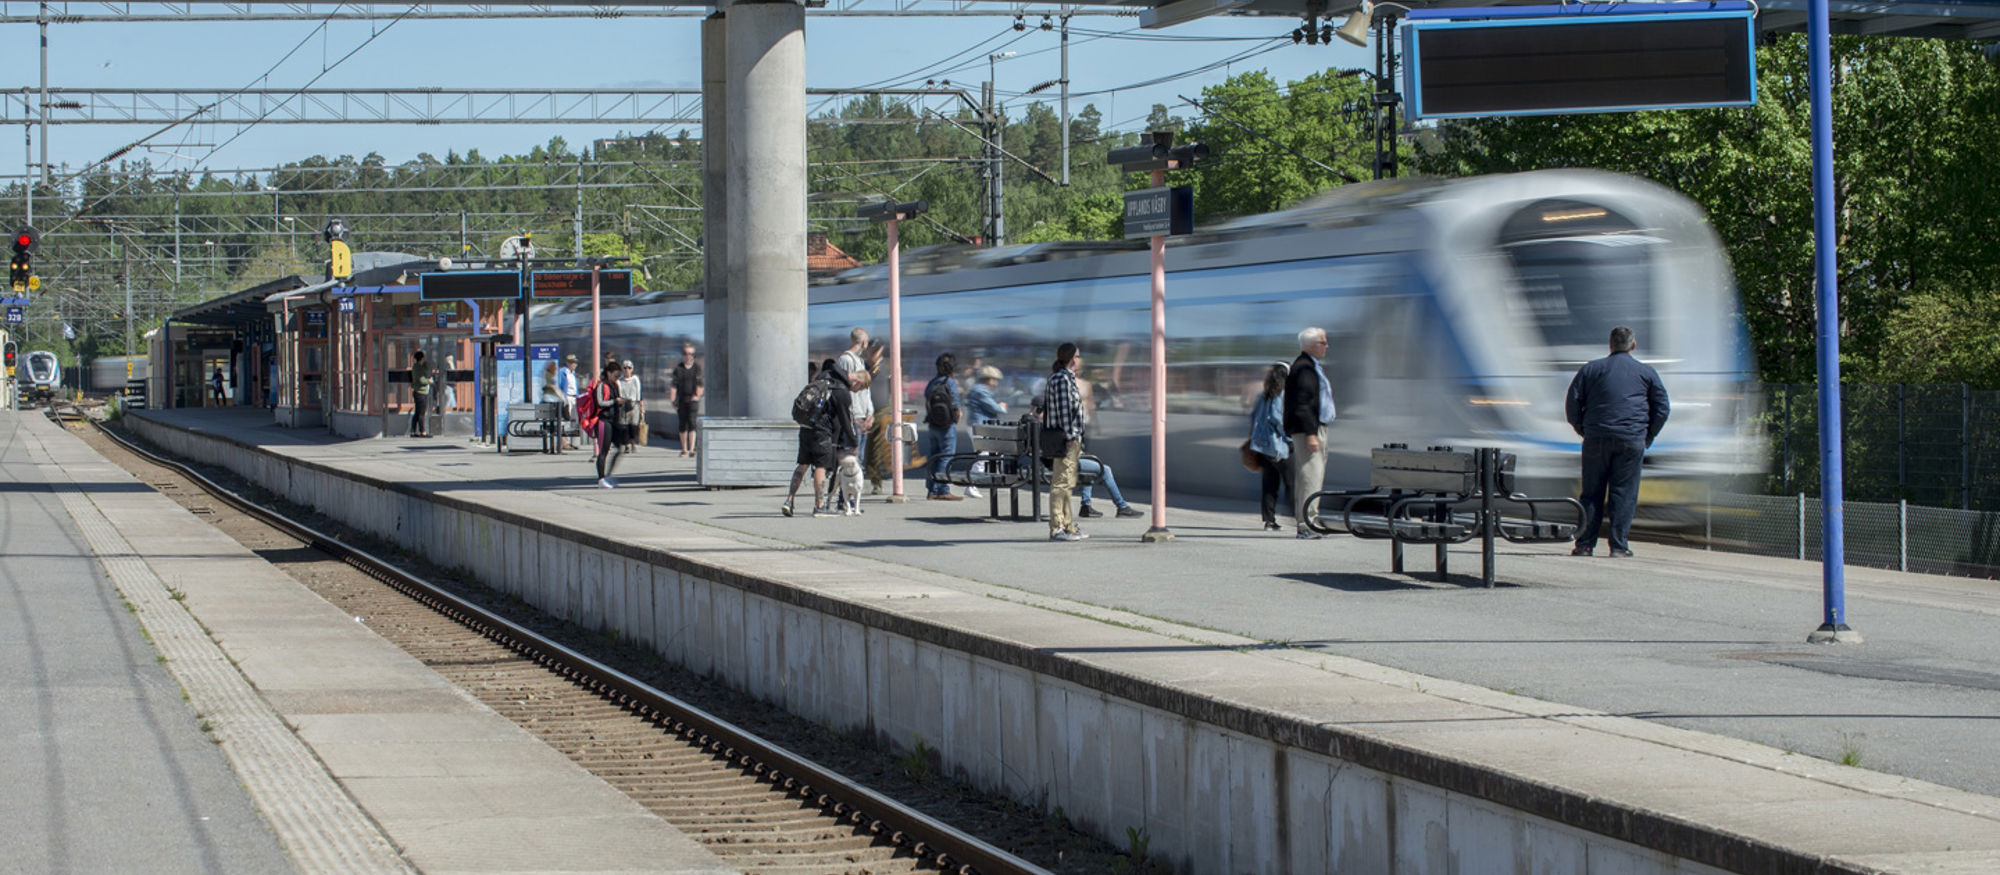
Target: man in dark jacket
[
  {"x": 1308, "y": 412},
  {"x": 1618, "y": 406}
]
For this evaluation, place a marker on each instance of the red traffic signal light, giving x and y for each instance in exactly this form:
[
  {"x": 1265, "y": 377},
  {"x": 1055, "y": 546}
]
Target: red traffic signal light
[
  {"x": 11, "y": 348},
  {"x": 26, "y": 241}
]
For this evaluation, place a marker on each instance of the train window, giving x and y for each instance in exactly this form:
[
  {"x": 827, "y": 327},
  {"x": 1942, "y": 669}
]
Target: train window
[{"x": 1580, "y": 270}]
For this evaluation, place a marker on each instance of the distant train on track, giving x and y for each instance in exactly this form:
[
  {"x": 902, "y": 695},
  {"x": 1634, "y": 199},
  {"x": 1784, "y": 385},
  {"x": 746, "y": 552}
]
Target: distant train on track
[
  {"x": 43, "y": 373},
  {"x": 1457, "y": 311}
]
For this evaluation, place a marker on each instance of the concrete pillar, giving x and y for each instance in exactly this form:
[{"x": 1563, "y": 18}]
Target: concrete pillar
[
  {"x": 715, "y": 215},
  {"x": 766, "y": 63}
]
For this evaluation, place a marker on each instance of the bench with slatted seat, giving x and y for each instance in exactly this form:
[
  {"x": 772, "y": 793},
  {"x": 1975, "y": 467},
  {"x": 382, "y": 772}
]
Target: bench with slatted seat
[
  {"x": 1006, "y": 456},
  {"x": 1415, "y": 496}
]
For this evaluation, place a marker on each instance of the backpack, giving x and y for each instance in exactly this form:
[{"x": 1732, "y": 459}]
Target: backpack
[
  {"x": 586, "y": 405},
  {"x": 811, "y": 401},
  {"x": 938, "y": 409}
]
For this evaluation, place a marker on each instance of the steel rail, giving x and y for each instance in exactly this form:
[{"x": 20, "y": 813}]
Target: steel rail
[{"x": 924, "y": 837}]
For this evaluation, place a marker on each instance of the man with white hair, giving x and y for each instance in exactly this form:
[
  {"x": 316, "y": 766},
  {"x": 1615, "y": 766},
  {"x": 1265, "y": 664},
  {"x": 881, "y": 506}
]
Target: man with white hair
[{"x": 1308, "y": 412}]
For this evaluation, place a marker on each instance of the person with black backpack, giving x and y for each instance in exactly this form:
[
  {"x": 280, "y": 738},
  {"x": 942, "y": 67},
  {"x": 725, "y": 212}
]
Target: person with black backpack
[
  {"x": 941, "y": 414},
  {"x": 824, "y": 410}
]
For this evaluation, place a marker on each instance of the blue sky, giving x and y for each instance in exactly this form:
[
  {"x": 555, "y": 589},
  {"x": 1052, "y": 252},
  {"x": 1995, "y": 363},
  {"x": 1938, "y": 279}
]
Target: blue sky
[{"x": 579, "y": 54}]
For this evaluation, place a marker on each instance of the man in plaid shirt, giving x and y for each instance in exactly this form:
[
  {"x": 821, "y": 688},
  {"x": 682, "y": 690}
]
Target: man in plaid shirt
[{"x": 1064, "y": 409}]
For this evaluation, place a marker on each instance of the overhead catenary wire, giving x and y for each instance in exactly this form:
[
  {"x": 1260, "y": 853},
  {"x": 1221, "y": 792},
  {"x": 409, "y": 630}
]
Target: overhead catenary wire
[{"x": 326, "y": 69}]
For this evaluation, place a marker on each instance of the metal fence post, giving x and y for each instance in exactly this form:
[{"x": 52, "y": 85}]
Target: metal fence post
[
  {"x": 1786, "y": 441},
  {"x": 1802, "y": 526},
  {"x": 1902, "y": 432},
  {"x": 1903, "y": 535},
  {"x": 1965, "y": 446},
  {"x": 1708, "y": 520}
]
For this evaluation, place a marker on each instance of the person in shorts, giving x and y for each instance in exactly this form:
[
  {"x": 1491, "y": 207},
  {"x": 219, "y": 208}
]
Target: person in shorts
[
  {"x": 822, "y": 442},
  {"x": 684, "y": 392}
]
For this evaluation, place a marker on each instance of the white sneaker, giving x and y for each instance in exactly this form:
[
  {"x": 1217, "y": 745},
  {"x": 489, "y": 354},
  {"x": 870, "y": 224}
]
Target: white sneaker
[
  {"x": 603, "y": 483},
  {"x": 973, "y": 492}
]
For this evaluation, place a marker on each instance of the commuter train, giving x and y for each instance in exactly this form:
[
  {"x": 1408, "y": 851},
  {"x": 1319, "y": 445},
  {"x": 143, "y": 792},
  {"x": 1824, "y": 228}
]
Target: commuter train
[
  {"x": 108, "y": 373},
  {"x": 44, "y": 376},
  {"x": 1457, "y": 310}
]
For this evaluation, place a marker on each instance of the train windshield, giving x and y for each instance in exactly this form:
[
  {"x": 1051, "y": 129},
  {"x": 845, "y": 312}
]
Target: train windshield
[
  {"x": 1581, "y": 270},
  {"x": 41, "y": 369}
]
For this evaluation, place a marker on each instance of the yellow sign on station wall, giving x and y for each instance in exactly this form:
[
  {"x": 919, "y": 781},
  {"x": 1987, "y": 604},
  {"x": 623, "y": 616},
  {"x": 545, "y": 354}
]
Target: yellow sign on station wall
[{"x": 343, "y": 260}]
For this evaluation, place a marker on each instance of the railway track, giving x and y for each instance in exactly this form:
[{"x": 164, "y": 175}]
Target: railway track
[{"x": 758, "y": 806}]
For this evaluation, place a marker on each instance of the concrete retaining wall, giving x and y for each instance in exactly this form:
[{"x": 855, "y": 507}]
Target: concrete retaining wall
[{"x": 1218, "y": 788}]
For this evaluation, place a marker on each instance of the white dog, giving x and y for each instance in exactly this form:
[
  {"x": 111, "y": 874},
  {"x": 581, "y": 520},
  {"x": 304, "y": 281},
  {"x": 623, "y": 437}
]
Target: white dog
[{"x": 847, "y": 489}]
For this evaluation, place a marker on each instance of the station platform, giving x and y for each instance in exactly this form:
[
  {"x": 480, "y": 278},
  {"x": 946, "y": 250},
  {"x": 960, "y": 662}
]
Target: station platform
[
  {"x": 1676, "y": 684},
  {"x": 175, "y": 704}
]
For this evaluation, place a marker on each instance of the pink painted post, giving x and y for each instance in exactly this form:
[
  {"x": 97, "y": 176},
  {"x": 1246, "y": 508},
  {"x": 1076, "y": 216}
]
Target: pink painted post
[
  {"x": 596, "y": 348},
  {"x": 1158, "y": 244},
  {"x": 895, "y": 365}
]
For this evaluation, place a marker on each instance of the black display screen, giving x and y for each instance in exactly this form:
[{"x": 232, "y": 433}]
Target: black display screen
[{"x": 1517, "y": 67}]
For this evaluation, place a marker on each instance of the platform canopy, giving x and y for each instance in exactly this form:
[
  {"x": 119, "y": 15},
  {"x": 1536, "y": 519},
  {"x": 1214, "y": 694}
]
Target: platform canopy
[
  {"x": 1937, "y": 19},
  {"x": 238, "y": 309}
]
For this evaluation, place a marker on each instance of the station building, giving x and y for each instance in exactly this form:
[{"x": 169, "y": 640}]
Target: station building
[{"x": 333, "y": 354}]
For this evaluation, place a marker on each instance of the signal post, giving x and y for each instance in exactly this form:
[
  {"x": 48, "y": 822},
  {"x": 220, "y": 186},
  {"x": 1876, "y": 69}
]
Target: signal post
[{"x": 1154, "y": 213}]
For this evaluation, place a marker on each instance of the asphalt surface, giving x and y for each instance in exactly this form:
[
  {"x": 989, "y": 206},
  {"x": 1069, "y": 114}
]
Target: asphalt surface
[{"x": 106, "y": 769}]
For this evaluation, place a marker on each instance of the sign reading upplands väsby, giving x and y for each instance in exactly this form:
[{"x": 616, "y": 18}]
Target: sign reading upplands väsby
[
  {"x": 1150, "y": 212},
  {"x": 576, "y": 283},
  {"x": 469, "y": 285}
]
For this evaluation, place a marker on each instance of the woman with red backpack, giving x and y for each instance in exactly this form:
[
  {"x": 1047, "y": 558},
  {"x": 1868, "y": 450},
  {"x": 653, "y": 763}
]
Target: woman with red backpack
[{"x": 597, "y": 411}]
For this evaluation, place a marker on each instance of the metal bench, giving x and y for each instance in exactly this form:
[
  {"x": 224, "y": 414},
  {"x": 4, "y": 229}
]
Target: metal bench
[
  {"x": 1006, "y": 456},
  {"x": 543, "y": 420},
  {"x": 1414, "y": 497}
]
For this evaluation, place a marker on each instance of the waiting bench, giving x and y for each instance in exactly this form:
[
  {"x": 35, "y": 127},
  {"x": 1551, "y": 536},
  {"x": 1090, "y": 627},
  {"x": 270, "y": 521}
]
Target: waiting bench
[
  {"x": 1006, "y": 456},
  {"x": 1414, "y": 497}
]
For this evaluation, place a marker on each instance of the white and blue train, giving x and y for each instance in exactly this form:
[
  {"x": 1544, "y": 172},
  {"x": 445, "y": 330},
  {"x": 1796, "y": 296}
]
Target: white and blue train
[
  {"x": 43, "y": 376},
  {"x": 1457, "y": 310}
]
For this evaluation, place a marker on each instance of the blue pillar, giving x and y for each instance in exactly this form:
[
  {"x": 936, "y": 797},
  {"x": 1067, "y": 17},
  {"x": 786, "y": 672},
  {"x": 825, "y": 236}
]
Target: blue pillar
[{"x": 1833, "y": 560}]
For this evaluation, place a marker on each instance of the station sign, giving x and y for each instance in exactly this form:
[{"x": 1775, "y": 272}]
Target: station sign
[
  {"x": 348, "y": 305},
  {"x": 469, "y": 285},
  {"x": 1151, "y": 212},
  {"x": 576, "y": 283},
  {"x": 508, "y": 352},
  {"x": 14, "y": 315},
  {"x": 544, "y": 352},
  {"x": 316, "y": 317},
  {"x": 444, "y": 319},
  {"x": 1541, "y": 60}
]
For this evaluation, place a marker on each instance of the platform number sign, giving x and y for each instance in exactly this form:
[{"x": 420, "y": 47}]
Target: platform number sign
[{"x": 14, "y": 315}]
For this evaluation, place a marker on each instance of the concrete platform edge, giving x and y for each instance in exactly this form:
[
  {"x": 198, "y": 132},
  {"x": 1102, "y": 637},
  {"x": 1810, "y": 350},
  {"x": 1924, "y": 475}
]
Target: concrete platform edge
[{"x": 1679, "y": 837}]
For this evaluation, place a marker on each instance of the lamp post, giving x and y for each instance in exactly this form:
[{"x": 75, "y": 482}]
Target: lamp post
[
  {"x": 893, "y": 214},
  {"x": 1166, "y": 211},
  {"x": 996, "y": 201}
]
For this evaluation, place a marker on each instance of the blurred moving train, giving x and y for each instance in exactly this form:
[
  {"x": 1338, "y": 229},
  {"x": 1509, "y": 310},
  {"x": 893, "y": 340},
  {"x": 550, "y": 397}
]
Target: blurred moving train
[{"x": 1457, "y": 310}]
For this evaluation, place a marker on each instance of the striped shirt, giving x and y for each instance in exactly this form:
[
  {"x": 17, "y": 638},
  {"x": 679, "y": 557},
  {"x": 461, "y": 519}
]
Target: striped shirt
[{"x": 1065, "y": 405}]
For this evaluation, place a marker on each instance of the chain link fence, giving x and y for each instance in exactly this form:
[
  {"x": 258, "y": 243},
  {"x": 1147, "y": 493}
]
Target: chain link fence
[{"x": 1921, "y": 468}]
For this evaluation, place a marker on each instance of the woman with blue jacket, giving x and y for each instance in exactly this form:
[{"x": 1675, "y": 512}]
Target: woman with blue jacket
[{"x": 1268, "y": 439}]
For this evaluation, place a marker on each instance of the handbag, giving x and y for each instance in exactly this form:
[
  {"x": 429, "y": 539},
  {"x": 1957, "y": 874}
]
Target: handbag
[
  {"x": 1253, "y": 461},
  {"x": 1054, "y": 442}
]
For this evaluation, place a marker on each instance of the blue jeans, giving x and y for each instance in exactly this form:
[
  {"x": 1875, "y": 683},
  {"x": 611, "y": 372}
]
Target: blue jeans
[
  {"x": 944, "y": 442},
  {"x": 1610, "y": 485},
  {"x": 1103, "y": 472}
]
